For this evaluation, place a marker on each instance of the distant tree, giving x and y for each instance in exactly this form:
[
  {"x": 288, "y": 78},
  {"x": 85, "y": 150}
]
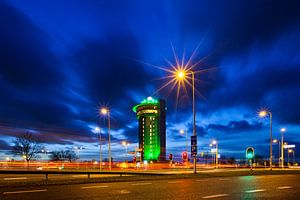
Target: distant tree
[
  {"x": 258, "y": 159},
  {"x": 27, "y": 146},
  {"x": 62, "y": 155}
]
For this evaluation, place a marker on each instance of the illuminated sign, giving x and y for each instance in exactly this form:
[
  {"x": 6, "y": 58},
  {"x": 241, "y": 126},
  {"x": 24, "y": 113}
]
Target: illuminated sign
[{"x": 289, "y": 146}]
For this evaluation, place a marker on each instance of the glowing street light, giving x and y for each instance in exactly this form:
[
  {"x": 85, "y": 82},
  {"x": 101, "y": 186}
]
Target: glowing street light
[
  {"x": 264, "y": 113},
  {"x": 180, "y": 74},
  {"x": 98, "y": 131},
  {"x": 293, "y": 152},
  {"x": 282, "y": 130},
  {"x": 181, "y": 77},
  {"x": 78, "y": 151},
  {"x": 214, "y": 142},
  {"x": 106, "y": 111},
  {"x": 125, "y": 144},
  {"x": 275, "y": 141}
]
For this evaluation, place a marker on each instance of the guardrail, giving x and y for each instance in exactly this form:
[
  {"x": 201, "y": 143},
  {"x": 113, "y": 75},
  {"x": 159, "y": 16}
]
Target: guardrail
[{"x": 88, "y": 173}]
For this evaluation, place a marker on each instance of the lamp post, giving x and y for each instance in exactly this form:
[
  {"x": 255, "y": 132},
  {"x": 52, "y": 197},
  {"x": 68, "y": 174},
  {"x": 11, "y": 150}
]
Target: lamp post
[
  {"x": 106, "y": 111},
  {"x": 98, "y": 130},
  {"x": 125, "y": 144},
  {"x": 214, "y": 142},
  {"x": 212, "y": 155},
  {"x": 264, "y": 113},
  {"x": 275, "y": 141},
  {"x": 186, "y": 138},
  {"x": 45, "y": 151},
  {"x": 181, "y": 76},
  {"x": 78, "y": 151},
  {"x": 289, "y": 151},
  {"x": 282, "y": 130}
]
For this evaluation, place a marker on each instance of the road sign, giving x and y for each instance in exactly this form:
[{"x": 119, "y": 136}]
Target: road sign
[
  {"x": 213, "y": 150},
  {"x": 289, "y": 146},
  {"x": 194, "y": 146}
]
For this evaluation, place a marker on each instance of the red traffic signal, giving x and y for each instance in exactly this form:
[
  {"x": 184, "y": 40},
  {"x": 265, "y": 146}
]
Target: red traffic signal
[
  {"x": 170, "y": 156},
  {"x": 184, "y": 155}
]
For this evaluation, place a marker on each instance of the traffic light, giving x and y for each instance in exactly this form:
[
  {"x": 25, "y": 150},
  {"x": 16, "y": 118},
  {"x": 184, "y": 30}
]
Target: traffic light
[
  {"x": 184, "y": 156},
  {"x": 170, "y": 157},
  {"x": 249, "y": 153}
]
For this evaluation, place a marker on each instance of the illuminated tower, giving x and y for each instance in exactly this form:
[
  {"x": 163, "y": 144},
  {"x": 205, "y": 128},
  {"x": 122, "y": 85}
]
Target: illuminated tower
[{"x": 151, "y": 114}]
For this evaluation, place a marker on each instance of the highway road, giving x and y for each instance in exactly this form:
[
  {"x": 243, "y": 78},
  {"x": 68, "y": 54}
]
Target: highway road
[
  {"x": 39, "y": 177},
  {"x": 242, "y": 187}
]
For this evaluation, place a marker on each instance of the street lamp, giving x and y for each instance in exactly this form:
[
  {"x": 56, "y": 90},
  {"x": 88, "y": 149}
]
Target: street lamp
[
  {"x": 186, "y": 138},
  {"x": 264, "y": 113},
  {"x": 291, "y": 151},
  {"x": 106, "y": 111},
  {"x": 282, "y": 130},
  {"x": 125, "y": 144},
  {"x": 78, "y": 150},
  {"x": 275, "y": 141},
  {"x": 181, "y": 75},
  {"x": 214, "y": 142},
  {"x": 98, "y": 130}
]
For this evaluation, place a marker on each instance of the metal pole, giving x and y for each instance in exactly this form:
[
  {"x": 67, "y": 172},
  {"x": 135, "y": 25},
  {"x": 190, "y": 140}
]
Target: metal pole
[
  {"x": 100, "y": 144},
  {"x": 278, "y": 153},
  {"x": 109, "y": 150},
  {"x": 288, "y": 157},
  {"x": 271, "y": 140},
  {"x": 194, "y": 119},
  {"x": 126, "y": 152},
  {"x": 186, "y": 142},
  {"x": 282, "y": 151},
  {"x": 213, "y": 159},
  {"x": 217, "y": 155}
]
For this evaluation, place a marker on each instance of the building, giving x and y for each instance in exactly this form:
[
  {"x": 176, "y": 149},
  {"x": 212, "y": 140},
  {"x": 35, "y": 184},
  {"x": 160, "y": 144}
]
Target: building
[{"x": 151, "y": 114}]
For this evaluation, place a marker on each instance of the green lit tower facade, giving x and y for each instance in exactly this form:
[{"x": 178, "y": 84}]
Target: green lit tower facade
[{"x": 151, "y": 114}]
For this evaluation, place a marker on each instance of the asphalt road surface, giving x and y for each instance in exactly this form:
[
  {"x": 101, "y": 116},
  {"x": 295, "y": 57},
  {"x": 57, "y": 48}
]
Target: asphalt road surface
[
  {"x": 38, "y": 177},
  {"x": 243, "y": 187}
]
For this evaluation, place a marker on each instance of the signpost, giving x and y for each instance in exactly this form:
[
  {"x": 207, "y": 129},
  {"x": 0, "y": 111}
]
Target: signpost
[{"x": 194, "y": 146}]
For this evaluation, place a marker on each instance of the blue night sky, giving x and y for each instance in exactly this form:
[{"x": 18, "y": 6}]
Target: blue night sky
[{"x": 61, "y": 60}]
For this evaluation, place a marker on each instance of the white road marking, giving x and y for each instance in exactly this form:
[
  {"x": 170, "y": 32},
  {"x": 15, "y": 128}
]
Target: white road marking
[
  {"x": 94, "y": 186},
  {"x": 124, "y": 192},
  {"x": 253, "y": 191},
  {"x": 215, "y": 196},
  {"x": 175, "y": 181},
  {"x": 24, "y": 191},
  {"x": 284, "y": 187},
  {"x": 200, "y": 180},
  {"x": 223, "y": 179},
  {"x": 15, "y": 178},
  {"x": 141, "y": 184}
]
